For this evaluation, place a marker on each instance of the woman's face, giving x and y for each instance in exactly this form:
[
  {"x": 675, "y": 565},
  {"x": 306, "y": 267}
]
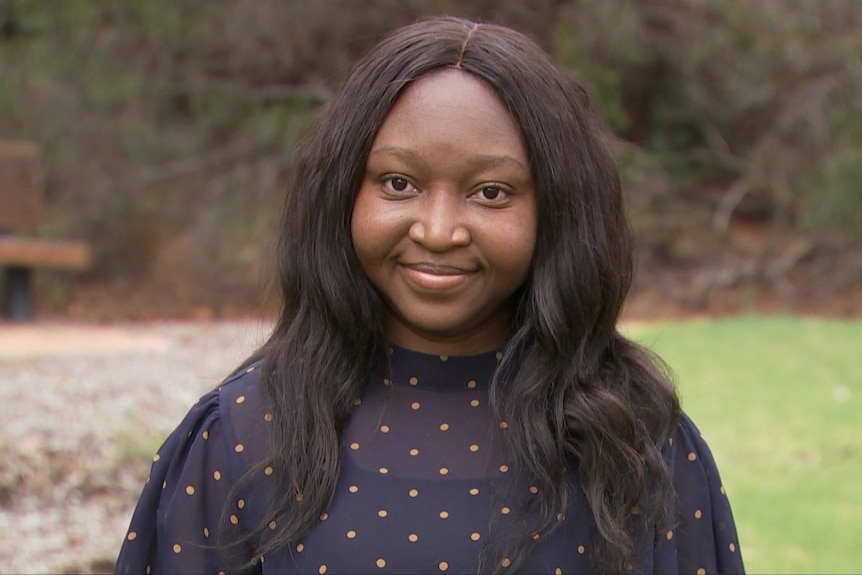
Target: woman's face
[{"x": 444, "y": 222}]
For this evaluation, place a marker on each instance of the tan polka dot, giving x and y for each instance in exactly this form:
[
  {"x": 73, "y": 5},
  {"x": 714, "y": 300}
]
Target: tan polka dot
[
  {"x": 272, "y": 525},
  {"x": 444, "y": 426},
  {"x": 384, "y": 429},
  {"x": 560, "y": 516},
  {"x": 205, "y": 435},
  {"x": 504, "y": 468},
  {"x": 222, "y": 573},
  {"x": 444, "y": 471},
  {"x": 504, "y": 425},
  {"x": 413, "y": 381},
  {"x": 444, "y": 357},
  {"x": 147, "y": 570},
  {"x": 268, "y": 470},
  {"x": 177, "y": 548},
  {"x": 698, "y": 514},
  {"x": 444, "y": 515},
  {"x": 383, "y": 470},
  {"x": 297, "y": 497},
  {"x": 628, "y": 566},
  {"x": 413, "y": 538},
  {"x": 381, "y": 563},
  {"x": 475, "y": 536},
  {"x": 558, "y": 571},
  {"x": 723, "y": 491},
  {"x": 471, "y": 384},
  {"x": 324, "y": 516},
  {"x": 239, "y": 448},
  {"x": 357, "y": 401},
  {"x": 300, "y": 547},
  {"x": 670, "y": 440},
  {"x": 505, "y": 510},
  {"x": 534, "y": 489},
  {"x": 701, "y": 571},
  {"x": 499, "y": 355},
  {"x": 249, "y": 370},
  {"x": 415, "y": 405},
  {"x": 354, "y": 446},
  {"x": 353, "y": 489},
  {"x": 732, "y": 547},
  {"x": 267, "y": 417},
  {"x": 382, "y": 513},
  {"x": 234, "y": 519},
  {"x": 669, "y": 534},
  {"x": 190, "y": 489},
  {"x": 474, "y": 491},
  {"x": 132, "y": 535},
  {"x": 164, "y": 484},
  {"x": 351, "y": 534},
  {"x": 474, "y": 448},
  {"x": 414, "y": 452},
  {"x": 474, "y": 403},
  {"x": 692, "y": 456},
  {"x": 387, "y": 381},
  {"x": 536, "y": 536},
  {"x": 156, "y": 457},
  {"x": 206, "y": 532},
  {"x": 217, "y": 475},
  {"x": 636, "y": 510},
  {"x": 240, "y": 399},
  {"x": 506, "y": 562},
  {"x": 443, "y": 566},
  {"x": 581, "y": 549},
  {"x": 413, "y": 492},
  {"x": 322, "y": 569}
]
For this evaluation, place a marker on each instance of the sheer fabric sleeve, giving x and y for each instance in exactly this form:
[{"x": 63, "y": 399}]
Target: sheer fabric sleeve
[
  {"x": 704, "y": 539},
  {"x": 182, "y": 523}
]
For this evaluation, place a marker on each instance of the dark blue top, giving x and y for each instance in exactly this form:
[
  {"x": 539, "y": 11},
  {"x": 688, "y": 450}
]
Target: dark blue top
[{"x": 425, "y": 487}]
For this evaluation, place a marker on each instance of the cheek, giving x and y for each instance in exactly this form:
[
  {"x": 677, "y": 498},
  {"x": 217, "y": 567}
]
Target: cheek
[{"x": 373, "y": 229}]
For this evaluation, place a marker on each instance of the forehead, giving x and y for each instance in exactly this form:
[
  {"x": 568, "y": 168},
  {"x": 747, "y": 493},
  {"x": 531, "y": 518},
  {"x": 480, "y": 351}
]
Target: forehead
[{"x": 450, "y": 108}]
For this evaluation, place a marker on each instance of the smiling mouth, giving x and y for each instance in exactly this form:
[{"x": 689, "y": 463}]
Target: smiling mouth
[{"x": 434, "y": 276}]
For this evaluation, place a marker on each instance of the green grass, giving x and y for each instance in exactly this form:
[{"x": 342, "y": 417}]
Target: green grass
[{"x": 779, "y": 399}]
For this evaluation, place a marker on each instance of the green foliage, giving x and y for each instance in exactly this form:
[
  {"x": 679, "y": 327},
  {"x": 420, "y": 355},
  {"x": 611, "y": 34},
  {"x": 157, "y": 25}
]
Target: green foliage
[{"x": 778, "y": 399}]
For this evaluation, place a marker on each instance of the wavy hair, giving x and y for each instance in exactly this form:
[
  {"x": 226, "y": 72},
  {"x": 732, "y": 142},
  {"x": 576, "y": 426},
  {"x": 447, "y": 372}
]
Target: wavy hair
[{"x": 577, "y": 395}]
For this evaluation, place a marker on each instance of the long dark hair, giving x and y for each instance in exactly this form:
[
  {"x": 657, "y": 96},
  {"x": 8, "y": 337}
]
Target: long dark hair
[{"x": 577, "y": 395}]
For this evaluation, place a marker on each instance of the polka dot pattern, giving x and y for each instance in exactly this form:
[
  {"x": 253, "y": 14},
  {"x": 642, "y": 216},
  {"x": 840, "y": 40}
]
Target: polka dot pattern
[{"x": 425, "y": 475}]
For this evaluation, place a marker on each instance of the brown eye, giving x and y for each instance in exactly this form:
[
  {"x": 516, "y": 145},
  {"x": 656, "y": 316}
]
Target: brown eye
[
  {"x": 399, "y": 184},
  {"x": 490, "y": 192}
]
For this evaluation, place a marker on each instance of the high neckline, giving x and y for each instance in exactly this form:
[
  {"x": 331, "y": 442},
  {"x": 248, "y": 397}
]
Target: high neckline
[{"x": 454, "y": 372}]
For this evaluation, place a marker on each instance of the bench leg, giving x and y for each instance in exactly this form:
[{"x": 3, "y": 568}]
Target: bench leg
[{"x": 18, "y": 292}]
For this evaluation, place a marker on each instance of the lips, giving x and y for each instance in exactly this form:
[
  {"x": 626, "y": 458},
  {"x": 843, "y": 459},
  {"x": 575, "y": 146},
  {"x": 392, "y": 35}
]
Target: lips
[{"x": 434, "y": 277}]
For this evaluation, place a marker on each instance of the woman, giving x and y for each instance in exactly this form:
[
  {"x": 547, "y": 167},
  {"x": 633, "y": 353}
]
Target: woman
[{"x": 445, "y": 389}]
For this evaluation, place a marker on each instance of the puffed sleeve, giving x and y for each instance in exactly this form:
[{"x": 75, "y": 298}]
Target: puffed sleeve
[
  {"x": 704, "y": 539},
  {"x": 182, "y": 523}
]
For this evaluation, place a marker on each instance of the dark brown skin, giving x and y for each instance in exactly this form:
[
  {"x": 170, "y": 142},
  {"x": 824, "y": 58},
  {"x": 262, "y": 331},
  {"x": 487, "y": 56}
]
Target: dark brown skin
[{"x": 444, "y": 223}]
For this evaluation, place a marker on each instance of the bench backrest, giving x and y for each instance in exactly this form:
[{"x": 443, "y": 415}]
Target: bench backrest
[{"x": 21, "y": 201}]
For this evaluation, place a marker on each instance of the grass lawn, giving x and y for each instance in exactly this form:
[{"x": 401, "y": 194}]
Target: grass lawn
[{"x": 779, "y": 399}]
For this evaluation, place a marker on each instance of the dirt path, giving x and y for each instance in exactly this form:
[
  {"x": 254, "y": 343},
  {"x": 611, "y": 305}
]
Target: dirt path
[{"x": 83, "y": 409}]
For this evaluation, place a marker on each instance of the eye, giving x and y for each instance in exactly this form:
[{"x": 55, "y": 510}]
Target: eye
[
  {"x": 491, "y": 195},
  {"x": 397, "y": 184},
  {"x": 490, "y": 192}
]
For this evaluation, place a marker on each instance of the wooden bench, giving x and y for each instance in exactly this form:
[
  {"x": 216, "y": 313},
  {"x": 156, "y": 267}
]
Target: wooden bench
[{"x": 21, "y": 213}]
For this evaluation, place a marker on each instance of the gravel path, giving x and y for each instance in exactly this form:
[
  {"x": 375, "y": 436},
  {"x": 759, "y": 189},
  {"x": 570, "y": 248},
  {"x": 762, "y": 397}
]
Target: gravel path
[{"x": 83, "y": 408}]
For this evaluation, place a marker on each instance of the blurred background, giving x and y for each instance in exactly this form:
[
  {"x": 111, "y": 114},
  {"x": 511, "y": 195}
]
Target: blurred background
[
  {"x": 161, "y": 134},
  {"x": 166, "y": 129}
]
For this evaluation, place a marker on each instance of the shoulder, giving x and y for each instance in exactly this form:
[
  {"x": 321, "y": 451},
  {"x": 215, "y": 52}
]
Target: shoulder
[
  {"x": 244, "y": 413},
  {"x": 687, "y": 445}
]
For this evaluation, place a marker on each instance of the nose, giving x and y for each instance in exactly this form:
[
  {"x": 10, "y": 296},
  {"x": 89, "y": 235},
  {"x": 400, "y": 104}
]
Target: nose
[{"x": 440, "y": 225}]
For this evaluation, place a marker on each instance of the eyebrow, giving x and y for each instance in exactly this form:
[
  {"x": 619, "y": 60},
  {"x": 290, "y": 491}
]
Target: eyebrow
[{"x": 479, "y": 160}]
